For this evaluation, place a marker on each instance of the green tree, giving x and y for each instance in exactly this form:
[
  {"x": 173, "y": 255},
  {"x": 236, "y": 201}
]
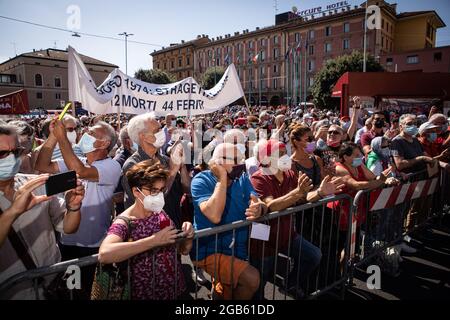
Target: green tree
[
  {"x": 154, "y": 76},
  {"x": 211, "y": 76},
  {"x": 327, "y": 77}
]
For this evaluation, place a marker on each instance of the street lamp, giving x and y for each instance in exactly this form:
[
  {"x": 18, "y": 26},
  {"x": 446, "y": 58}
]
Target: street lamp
[{"x": 126, "y": 35}]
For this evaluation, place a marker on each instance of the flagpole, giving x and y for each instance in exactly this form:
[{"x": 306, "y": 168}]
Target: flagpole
[
  {"x": 305, "y": 73},
  {"x": 260, "y": 76},
  {"x": 286, "y": 77},
  {"x": 300, "y": 77}
]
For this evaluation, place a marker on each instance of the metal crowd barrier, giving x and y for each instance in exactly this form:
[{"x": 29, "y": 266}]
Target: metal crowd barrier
[
  {"x": 387, "y": 222},
  {"x": 318, "y": 225}
]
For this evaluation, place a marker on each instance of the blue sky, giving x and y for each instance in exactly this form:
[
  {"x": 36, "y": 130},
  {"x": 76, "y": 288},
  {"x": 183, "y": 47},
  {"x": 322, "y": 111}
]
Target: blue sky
[{"x": 157, "y": 22}]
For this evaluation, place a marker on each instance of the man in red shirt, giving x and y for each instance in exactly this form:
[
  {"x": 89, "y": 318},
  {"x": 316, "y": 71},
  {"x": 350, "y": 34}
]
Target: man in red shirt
[
  {"x": 378, "y": 123},
  {"x": 280, "y": 188}
]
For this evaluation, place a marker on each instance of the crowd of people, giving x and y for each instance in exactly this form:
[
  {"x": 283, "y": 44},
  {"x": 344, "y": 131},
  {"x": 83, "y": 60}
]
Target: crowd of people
[{"x": 170, "y": 176}]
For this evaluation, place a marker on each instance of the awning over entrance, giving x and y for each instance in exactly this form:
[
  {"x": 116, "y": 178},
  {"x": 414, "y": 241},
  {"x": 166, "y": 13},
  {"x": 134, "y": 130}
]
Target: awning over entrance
[{"x": 391, "y": 85}]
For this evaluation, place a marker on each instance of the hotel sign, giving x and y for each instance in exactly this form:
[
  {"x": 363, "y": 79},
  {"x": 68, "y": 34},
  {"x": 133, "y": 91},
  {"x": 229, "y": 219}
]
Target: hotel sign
[{"x": 295, "y": 14}]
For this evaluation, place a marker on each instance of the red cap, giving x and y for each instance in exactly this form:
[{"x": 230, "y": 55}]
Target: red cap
[{"x": 240, "y": 121}]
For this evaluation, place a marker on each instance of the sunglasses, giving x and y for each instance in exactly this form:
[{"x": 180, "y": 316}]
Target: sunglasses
[
  {"x": 71, "y": 129},
  {"x": 17, "y": 152},
  {"x": 334, "y": 132}
]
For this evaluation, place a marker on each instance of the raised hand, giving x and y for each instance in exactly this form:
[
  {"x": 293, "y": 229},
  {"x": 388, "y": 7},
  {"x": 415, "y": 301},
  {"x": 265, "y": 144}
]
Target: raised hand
[
  {"x": 218, "y": 170},
  {"x": 24, "y": 199},
  {"x": 75, "y": 196},
  {"x": 304, "y": 184},
  {"x": 330, "y": 186}
]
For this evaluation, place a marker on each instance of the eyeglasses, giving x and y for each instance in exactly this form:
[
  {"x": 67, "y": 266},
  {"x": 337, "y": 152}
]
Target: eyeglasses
[
  {"x": 71, "y": 129},
  {"x": 234, "y": 160},
  {"x": 334, "y": 132},
  {"x": 154, "y": 191},
  {"x": 17, "y": 152}
]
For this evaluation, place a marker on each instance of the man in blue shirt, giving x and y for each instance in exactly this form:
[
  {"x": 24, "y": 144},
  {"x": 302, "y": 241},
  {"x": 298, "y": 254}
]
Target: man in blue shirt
[{"x": 223, "y": 195}]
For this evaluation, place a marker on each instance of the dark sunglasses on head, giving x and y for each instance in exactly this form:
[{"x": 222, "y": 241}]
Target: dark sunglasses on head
[{"x": 17, "y": 152}]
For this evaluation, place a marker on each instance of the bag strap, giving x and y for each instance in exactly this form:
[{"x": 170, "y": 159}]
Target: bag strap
[
  {"x": 129, "y": 225},
  {"x": 20, "y": 247}
]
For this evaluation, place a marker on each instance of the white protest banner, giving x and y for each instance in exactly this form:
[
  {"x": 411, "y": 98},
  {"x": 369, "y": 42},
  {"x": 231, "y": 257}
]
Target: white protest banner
[{"x": 120, "y": 92}]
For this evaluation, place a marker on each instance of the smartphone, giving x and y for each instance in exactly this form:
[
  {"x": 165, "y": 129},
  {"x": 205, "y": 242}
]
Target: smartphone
[{"x": 61, "y": 182}]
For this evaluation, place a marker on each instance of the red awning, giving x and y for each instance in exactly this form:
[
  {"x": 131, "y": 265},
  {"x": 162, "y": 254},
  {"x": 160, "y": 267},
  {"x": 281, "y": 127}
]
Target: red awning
[
  {"x": 392, "y": 85},
  {"x": 14, "y": 103}
]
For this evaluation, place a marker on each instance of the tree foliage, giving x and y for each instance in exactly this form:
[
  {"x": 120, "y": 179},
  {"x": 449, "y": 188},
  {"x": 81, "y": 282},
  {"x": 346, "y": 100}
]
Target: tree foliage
[
  {"x": 154, "y": 76},
  {"x": 211, "y": 77},
  {"x": 327, "y": 77}
]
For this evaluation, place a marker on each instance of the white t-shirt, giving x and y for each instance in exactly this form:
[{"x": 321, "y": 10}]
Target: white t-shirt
[{"x": 97, "y": 204}]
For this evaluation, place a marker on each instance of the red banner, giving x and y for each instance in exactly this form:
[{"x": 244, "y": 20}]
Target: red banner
[{"x": 14, "y": 103}]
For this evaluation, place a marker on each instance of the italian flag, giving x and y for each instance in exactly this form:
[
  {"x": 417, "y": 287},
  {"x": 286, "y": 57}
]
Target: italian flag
[{"x": 255, "y": 58}]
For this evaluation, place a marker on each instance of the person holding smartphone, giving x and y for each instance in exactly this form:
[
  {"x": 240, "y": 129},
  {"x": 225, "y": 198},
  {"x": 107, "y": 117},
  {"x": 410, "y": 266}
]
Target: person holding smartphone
[
  {"x": 29, "y": 219},
  {"x": 151, "y": 241}
]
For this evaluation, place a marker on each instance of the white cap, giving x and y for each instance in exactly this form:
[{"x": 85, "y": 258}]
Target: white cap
[{"x": 425, "y": 126}]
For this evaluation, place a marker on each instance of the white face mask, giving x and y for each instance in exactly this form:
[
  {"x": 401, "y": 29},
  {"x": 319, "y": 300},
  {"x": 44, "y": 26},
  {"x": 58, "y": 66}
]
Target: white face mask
[
  {"x": 86, "y": 143},
  {"x": 284, "y": 163},
  {"x": 9, "y": 167},
  {"x": 72, "y": 137},
  {"x": 153, "y": 203},
  {"x": 160, "y": 139}
]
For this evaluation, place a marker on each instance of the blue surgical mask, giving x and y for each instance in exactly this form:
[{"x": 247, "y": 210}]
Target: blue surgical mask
[
  {"x": 173, "y": 123},
  {"x": 9, "y": 167},
  {"x": 135, "y": 146},
  {"x": 86, "y": 143},
  {"x": 357, "y": 162},
  {"x": 411, "y": 130},
  {"x": 385, "y": 152},
  {"x": 432, "y": 136}
]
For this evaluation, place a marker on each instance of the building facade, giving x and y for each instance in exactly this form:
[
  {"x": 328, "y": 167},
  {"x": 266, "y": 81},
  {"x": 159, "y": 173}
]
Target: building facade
[
  {"x": 425, "y": 60},
  {"x": 292, "y": 51},
  {"x": 44, "y": 75}
]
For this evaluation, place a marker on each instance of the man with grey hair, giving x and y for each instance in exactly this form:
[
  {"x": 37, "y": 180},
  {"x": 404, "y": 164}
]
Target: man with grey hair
[
  {"x": 145, "y": 131},
  {"x": 100, "y": 175}
]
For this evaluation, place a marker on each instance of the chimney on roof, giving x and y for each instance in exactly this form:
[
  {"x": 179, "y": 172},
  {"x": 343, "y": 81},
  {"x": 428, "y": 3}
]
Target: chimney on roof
[
  {"x": 48, "y": 52},
  {"x": 199, "y": 36},
  {"x": 34, "y": 50},
  {"x": 182, "y": 41},
  {"x": 257, "y": 28}
]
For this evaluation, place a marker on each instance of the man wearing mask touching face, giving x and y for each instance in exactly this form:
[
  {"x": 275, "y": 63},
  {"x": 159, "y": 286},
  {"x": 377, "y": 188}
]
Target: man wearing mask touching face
[
  {"x": 223, "y": 195},
  {"x": 100, "y": 175}
]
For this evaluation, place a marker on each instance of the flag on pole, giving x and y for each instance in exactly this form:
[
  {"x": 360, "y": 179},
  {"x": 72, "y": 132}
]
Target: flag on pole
[
  {"x": 255, "y": 58},
  {"x": 227, "y": 59},
  {"x": 299, "y": 46},
  {"x": 288, "y": 53}
]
